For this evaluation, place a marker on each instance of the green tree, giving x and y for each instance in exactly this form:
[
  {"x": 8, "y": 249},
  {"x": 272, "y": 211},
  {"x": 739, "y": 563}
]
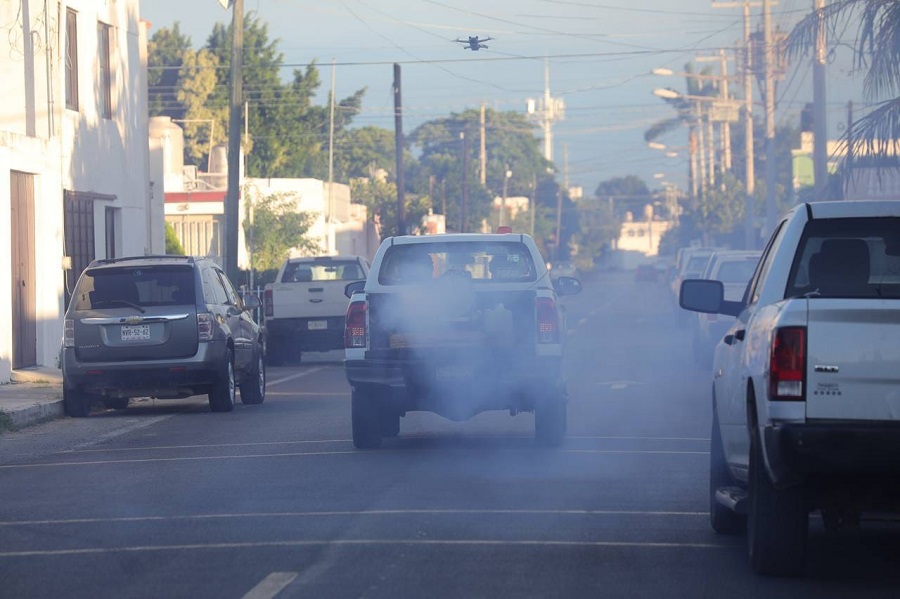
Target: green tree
[
  {"x": 165, "y": 52},
  {"x": 597, "y": 227},
  {"x": 204, "y": 117},
  {"x": 276, "y": 228},
  {"x": 173, "y": 244}
]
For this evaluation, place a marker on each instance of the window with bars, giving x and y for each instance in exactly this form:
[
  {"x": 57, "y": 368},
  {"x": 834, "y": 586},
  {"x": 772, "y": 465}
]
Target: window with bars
[
  {"x": 71, "y": 59},
  {"x": 104, "y": 61},
  {"x": 79, "y": 235}
]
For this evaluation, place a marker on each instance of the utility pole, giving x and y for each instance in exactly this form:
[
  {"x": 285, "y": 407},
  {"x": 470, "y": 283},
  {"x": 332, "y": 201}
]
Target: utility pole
[
  {"x": 483, "y": 152},
  {"x": 726, "y": 124},
  {"x": 550, "y": 110},
  {"x": 465, "y": 182},
  {"x": 330, "y": 212},
  {"x": 398, "y": 148},
  {"x": 771, "y": 167},
  {"x": 533, "y": 206},
  {"x": 232, "y": 197},
  {"x": 820, "y": 129}
]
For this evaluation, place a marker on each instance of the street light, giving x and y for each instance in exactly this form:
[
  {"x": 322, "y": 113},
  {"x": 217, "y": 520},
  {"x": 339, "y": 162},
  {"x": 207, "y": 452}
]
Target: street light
[
  {"x": 655, "y": 145},
  {"x": 506, "y": 176},
  {"x": 663, "y": 71}
]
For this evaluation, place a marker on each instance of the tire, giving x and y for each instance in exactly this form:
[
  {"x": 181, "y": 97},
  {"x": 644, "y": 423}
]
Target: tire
[
  {"x": 777, "y": 522},
  {"x": 550, "y": 416},
  {"x": 221, "y": 398},
  {"x": 365, "y": 419},
  {"x": 390, "y": 423},
  {"x": 75, "y": 403},
  {"x": 115, "y": 403},
  {"x": 723, "y": 520},
  {"x": 253, "y": 387}
]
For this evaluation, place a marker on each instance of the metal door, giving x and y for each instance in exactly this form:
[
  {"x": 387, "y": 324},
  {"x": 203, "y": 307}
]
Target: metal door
[{"x": 24, "y": 309}]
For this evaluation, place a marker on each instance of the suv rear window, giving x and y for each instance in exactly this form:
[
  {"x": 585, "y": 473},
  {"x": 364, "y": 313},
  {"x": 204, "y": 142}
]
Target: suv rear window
[
  {"x": 848, "y": 257},
  {"x": 324, "y": 270},
  {"x": 138, "y": 285},
  {"x": 477, "y": 261}
]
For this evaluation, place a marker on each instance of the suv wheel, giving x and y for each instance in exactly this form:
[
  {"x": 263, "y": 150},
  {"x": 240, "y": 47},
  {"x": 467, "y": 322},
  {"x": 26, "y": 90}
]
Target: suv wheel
[
  {"x": 76, "y": 403},
  {"x": 723, "y": 520},
  {"x": 221, "y": 398},
  {"x": 550, "y": 416},
  {"x": 365, "y": 418},
  {"x": 777, "y": 522},
  {"x": 253, "y": 387}
]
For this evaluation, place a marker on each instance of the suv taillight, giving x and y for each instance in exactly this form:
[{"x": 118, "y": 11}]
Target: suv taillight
[
  {"x": 355, "y": 327},
  {"x": 267, "y": 300},
  {"x": 787, "y": 365},
  {"x": 204, "y": 326},
  {"x": 547, "y": 321},
  {"x": 69, "y": 333}
]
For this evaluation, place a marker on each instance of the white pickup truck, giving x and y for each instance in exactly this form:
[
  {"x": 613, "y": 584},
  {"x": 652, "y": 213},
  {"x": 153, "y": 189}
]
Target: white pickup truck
[
  {"x": 306, "y": 305},
  {"x": 806, "y": 387},
  {"x": 456, "y": 324}
]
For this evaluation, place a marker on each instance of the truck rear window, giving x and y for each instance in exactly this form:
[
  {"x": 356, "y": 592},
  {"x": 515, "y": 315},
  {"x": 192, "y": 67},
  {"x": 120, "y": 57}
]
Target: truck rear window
[
  {"x": 477, "y": 261},
  {"x": 848, "y": 257},
  {"x": 330, "y": 270},
  {"x": 139, "y": 286}
]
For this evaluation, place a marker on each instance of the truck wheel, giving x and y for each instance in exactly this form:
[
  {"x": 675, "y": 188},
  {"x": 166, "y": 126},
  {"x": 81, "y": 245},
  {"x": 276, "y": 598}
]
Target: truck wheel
[
  {"x": 365, "y": 416},
  {"x": 221, "y": 398},
  {"x": 75, "y": 403},
  {"x": 777, "y": 523},
  {"x": 723, "y": 520},
  {"x": 253, "y": 387},
  {"x": 390, "y": 423},
  {"x": 550, "y": 417}
]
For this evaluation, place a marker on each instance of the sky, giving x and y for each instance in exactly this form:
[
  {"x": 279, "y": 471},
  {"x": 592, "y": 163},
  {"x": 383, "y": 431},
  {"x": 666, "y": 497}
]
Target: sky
[{"x": 600, "y": 56}]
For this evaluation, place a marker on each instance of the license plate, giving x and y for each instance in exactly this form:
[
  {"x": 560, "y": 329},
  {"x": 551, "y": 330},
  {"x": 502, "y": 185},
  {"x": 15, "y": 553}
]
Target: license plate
[
  {"x": 139, "y": 332},
  {"x": 452, "y": 372},
  {"x": 317, "y": 325}
]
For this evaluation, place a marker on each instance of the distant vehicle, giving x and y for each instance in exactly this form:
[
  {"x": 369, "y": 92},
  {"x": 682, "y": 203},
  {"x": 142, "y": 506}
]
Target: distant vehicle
[
  {"x": 734, "y": 268},
  {"x": 691, "y": 264},
  {"x": 305, "y": 306},
  {"x": 805, "y": 394},
  {"x": 474, "y": 42},
  {"x": 166, "y": 327},
  {"x": 457, "y": 325},
  {"x": 646, "y": 272},
  {"x": 563, "y": 269}
]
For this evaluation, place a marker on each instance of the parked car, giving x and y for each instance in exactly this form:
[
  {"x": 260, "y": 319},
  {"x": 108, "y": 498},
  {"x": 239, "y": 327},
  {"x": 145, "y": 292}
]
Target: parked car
[
  {"x": 734, "y": 268},
  {"x": 160, "y": 326},
  {"x": 457, "y": 325},
  {"x": 692, "y": 263},
  {"x": 806, "y": 409},
  {"x": 563, "y": 269}
]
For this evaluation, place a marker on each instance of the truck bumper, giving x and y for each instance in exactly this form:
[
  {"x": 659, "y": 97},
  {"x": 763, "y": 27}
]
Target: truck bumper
[
  {"x": 798, "y": 451},
  {"x": 296, "y": 334}
]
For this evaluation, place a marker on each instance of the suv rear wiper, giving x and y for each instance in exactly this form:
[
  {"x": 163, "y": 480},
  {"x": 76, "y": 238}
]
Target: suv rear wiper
[{"x": 127, "y": 303}]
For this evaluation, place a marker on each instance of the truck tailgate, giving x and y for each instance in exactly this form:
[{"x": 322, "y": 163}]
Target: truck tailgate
[
  {"x": 853, "y": 365},
  {"x": 309, "y": 300}
]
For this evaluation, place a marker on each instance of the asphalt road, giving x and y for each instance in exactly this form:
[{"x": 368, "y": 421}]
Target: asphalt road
[{"x": 166, "y": 499}]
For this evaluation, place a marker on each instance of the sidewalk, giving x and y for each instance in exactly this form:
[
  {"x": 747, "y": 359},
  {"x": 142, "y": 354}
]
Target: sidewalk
[{"x": 34, "y": 395}]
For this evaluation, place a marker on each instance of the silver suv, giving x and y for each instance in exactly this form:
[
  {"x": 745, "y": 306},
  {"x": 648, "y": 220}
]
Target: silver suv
[{"x": 166, "y": 327}]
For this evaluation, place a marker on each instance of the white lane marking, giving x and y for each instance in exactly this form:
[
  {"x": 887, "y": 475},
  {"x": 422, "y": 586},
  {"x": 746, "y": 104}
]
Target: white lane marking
[
  {"x": 614, "y": 384},
  {"x": 295, "y": 376},
  {"x": 210, "y": 446},
  {"x": 314, "y": 454},
  {"x": 345, "y": 514},
  {"x": 365, "y": 542},
  {"x": 582, "y": 322},
  {"x": 139, "y": 424},
  {"x": 619, "y": 386},
  {"x": 640, "y": 438},
  {"x": 271, "y": 585}
]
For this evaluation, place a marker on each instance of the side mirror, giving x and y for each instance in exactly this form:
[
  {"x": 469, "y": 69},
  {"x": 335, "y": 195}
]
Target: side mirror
[
  {"x": 354, "y": 287},
  {"x": 702, "y": 295},
  {"x": 251, "y": 302},
  {"x": 567, "y": 285}
]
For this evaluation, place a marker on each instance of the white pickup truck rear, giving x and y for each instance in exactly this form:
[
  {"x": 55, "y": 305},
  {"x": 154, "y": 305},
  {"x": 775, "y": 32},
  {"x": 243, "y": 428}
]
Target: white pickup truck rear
[
  {"x": 305, "y": 306},
  {"x": 806, "y": 383}
]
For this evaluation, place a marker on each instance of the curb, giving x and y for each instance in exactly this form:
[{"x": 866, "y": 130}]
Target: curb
[
  {"x": 38, "y": 411},
  {"x": 31, "y": 397}
]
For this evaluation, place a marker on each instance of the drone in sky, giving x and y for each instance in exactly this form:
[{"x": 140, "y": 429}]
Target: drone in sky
[{"x": 474, "y": 42}]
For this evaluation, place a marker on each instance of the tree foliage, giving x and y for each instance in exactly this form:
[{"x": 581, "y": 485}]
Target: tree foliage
[
  {"x": 165, "y": 55},
  {"x": 275, "y": 229},
  {"x": 173, "y": 244}
]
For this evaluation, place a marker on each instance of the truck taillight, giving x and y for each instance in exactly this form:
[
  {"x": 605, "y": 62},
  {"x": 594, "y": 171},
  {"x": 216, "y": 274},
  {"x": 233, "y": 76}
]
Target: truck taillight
[
  {"x": 69, "y": 333},
  {"x": 787, "y": 365},
  {"x": 204, "y": 326},
  {"x": 269, "y": 304},
  {"x": 355, "y": 327},
  {"x": 547, "y": 321}
]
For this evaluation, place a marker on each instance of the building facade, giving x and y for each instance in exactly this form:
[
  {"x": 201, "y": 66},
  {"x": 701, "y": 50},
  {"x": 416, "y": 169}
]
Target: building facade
[{"x": 74, "y": 161}]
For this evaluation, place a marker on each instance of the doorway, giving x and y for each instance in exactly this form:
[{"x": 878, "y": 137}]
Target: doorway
[{"x": 24, "y": 308}]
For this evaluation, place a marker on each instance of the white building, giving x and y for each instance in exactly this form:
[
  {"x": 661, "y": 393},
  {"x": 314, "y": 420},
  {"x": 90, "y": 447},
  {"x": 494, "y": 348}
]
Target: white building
[{"x": 74, "y": 170}]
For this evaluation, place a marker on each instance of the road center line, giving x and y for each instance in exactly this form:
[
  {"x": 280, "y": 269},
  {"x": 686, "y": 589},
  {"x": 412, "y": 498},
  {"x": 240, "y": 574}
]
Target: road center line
[
  {"x": 295, "y": 376},
  {"x": 362, "y": 543},
  {"x": 271, "y": 585}
]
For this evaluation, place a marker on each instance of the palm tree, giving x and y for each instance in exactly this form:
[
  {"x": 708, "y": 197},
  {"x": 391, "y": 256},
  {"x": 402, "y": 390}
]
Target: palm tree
[{"x": 877, "y": 52}]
